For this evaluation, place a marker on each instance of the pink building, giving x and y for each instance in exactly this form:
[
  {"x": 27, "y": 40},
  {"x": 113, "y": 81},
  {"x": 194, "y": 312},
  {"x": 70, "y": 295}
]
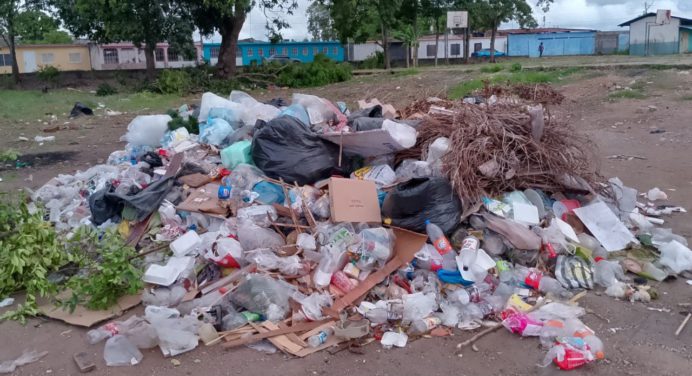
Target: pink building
[{"x": 124, "y": 56}]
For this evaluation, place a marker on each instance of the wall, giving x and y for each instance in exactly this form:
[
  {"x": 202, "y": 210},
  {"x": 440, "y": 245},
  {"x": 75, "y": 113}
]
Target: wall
[
  {"x": 623, "y": 42},
  {"x": 555, "y": 44},
  {"x": 60, "y": 58},
  {"x": 647, "y": 38},
  {"x": 303, "y": 51},
  {"x": 500, "y": 45},
  {"x": 131, "y": 57},
  {"x": 362, "y": 51},
  {"x": 607, "y": 42},
  {"x": 685, "y": 41}
]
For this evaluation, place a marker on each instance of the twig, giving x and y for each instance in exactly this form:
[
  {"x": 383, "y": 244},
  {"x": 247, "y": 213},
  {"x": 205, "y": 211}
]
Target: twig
[{"x": 684, "y": 323}]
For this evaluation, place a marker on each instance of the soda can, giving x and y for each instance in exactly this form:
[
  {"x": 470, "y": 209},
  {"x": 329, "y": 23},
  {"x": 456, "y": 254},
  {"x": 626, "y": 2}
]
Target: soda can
[{"x": 224, "y": 192}]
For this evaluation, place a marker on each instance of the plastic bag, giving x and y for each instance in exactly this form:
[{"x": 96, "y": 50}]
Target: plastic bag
[
  {"x": 283, "y": 148},
  {"x": 297, "y": 111},
  {"x": 268, "y": 260},
  {"x": 676, "y": 256},
  {"x": 412, "y": 169},
  {"x": 381, "y": 175},
  {"x": 253, "y": 237},
  {"x": 227, "y": 253},
  {"x": 437, "y": 149},
  {"x": 244, "y": 177},
  {"x": 261, "y": 215},
  {"x": 312, "y": 304},
  {"x": 147, "y": 130},
  {"x": 139, "y": 332},
  {"x": 254, "y": 110},
  {"x": 264, "y": 295},
  {"x": 233, "y": 320},
  {"x": 404, "y": 134},
  {"x": 411, "y": 203},
  {"x": 119, "y": 351},
  {"x": 418, "y": 306},
  {"x": 376, "y": 248},
  {"x": 178, "y": 335},
  {"x": 228, "y": 115},
  {"x": 215, "y": 132},
  {"x": 27, "y": 357},
  {"x": 211, "y": 100},
  {"x": 320, "y": 110},
  {"x": 153, "y": 313}
]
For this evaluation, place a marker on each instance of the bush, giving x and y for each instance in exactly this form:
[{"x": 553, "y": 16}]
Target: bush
[
  {"x": 374, "y": 61},
  {"x": 516, "y": 67},
  {"x": 320, "y": 72},
  {"x": 172, "y": 81},
  {"x": 49, "y": 74},
  {"x": 105, "y": 89},
  {"x": 492, "y": 68}
]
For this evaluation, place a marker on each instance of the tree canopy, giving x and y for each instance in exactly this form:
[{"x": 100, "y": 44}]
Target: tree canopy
[
  {"x": 320, "y": 24},
  {"x": 36, "y": 26}
]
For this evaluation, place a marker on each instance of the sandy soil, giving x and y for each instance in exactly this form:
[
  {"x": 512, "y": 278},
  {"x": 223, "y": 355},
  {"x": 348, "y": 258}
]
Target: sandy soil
[{"x": 638, "y": 340}]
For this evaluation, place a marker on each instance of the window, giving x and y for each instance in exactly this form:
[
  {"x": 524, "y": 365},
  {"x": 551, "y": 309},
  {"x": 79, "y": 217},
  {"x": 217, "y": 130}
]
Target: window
[
  {"x": 284, "y": 50},
  {"x": 272, "y": 51},
  {"x": 325, "y": 50},
  {"x": 47, "y": 58},
  {"x": 110, "y": 56},
  {"x": 260, "y": 51},
  {"x": 5, "y": 60},
  {"x": 249, "y": 51},
  {"x": 158, "y": 54},
  {"x": 214, "y": 52},
  {"x": 173, "y": 55},
  {"x": 75, "y": 57},
  {"x": 456, "y": 49},
  {"x": 237, "y": 52},
  {"x": 431, "y": 50},
  {"x": 294, "y": 51},
  {"x": 305, "y": 51},
  {"x": 477, "y": 47},
  {"x": 315, "y": 50},
  {"x": 335, "y": 51}
]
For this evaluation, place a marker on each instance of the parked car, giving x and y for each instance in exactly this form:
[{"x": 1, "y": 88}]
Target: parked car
[
  {"x": 486, "y": 53},
  {"x": 282, "y": 59}
]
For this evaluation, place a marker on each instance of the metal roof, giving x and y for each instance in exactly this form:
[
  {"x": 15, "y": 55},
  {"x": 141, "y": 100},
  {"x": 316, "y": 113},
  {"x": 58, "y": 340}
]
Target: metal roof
[{"x": 683, "y": 21}]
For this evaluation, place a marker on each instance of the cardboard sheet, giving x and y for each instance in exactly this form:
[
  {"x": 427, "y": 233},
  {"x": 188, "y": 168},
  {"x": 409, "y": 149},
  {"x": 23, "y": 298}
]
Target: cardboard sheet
[
  {"x": 204, "y": 200},
  {"x": 88, "y": 318},
  {"x": 353, "y": 200},
  {"x": 366, "y": 143},
  {"x": 605, "y": 226},
  {"x": 406, "y": 245}
]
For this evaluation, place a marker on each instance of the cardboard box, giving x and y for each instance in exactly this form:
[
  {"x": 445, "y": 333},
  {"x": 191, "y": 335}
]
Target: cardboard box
[
  {"x": 353, "y": 200},
  {"x": 204, "y": 200},
  {"x": 82, "y": 316}
]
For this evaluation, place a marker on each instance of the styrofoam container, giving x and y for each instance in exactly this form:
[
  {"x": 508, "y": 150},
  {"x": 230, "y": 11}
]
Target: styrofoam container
[
  {"x": 186, "y": 244},
  {"x": 165, "y": 275}
]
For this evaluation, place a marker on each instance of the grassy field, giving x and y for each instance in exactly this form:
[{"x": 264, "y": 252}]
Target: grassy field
[
  {"x": 499, "y": 76},
  {"x": 21, "y": 105}
]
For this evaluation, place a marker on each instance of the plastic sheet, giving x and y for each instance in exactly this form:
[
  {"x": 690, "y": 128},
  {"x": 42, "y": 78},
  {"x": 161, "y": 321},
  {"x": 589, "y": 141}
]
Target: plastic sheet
[
  {"x": 27, "y": 357},
  {"x": 147, "y": 130},
  {"x": 264, "y": 295},
  {"x": 252, "y": 236},
  {"x": 215, "y": 132}
]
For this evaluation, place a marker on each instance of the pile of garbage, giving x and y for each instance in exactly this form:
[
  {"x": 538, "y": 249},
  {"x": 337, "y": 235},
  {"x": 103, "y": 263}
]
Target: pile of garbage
[{"x": 301, "y": 227}]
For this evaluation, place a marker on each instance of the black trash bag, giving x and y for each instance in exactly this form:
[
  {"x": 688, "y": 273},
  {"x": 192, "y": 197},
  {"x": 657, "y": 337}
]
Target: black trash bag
[
  {"x": 371, "y": 112},
  {"x": 284, "y": 148},
  {"x": 366, "y": 119},
  {"x": 106, "y": 204},
  {"x": 80, "y": 109},
  {"x": 278, "y": 102},
  {"x": 152, "y": 159},
  {"x": 416, "y": 200}
]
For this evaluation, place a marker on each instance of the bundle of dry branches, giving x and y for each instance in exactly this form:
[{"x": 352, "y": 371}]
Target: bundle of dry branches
[{"x": 493, "y": 150}]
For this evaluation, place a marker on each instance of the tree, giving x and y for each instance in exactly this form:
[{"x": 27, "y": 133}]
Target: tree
[
  {"x": 9, "y": 12},
  {"x": 408, "y": 28},
  {"x": 227, "y": 18},
  {"x": 320, "y": 23},
  {"x": 142, "y": 22},
  {"x": 492, "y": 13},
  {"x": 35, "y": 26},
  {"x": 436, "y": 11}
]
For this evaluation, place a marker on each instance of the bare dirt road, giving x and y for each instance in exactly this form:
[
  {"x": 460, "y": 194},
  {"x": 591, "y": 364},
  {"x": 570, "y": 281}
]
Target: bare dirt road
[{"x": 638, "y": 337}]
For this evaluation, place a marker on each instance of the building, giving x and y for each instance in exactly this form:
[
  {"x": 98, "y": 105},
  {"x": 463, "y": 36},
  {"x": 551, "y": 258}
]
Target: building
[
  {"x": 257, "y": 51},
  {"x": 659, "y": 34},
  {"x": 455, "y": 46},
  {"x": 126, "y": 56},
  {"x": 31, "y": 57},
  {"x": 556, "y": 42}
]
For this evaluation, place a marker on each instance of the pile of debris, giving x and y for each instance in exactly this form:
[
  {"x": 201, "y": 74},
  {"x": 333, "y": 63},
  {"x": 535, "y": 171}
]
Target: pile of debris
[{"x": 302, "y": 225}]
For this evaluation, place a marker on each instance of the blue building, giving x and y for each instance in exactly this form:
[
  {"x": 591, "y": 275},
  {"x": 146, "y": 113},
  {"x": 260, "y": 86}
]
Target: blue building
[
  {"x": 556, "y": 42},
  {"x": 257, "y": 51}
]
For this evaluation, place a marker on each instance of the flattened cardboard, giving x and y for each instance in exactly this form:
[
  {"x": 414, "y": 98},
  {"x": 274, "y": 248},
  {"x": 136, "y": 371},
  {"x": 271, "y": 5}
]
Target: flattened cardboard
[
  {"x": 353, "y": 200},
  {"x": 406, "y": 245},
  {"x": 88, "y": 318},
  {"x": 195, "y": 180},
  {"x": 605, "y": 226},
  {"x": 366, "y": 143},
  {"x": 204, "y": 200}
]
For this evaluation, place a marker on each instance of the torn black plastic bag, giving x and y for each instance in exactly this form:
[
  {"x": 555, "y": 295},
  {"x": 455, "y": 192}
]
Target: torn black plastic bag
[
  {"x": 411, "y": 203},
  {"x": 106, "y": 204},
  {"x": 284, "y": 148},
  {"x": 366, "y": 119}
]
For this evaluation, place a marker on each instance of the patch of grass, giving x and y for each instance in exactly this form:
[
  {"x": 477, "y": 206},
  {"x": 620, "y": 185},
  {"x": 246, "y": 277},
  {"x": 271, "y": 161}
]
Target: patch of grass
[
  {"x": 406, "y": 72},
  {"x": 465, "y": 88},
  {"x": 686, "y": 98},
  {"x": 33, "y": 104},
  {"x": 492, "y": 68},
  {"x": 521, "y": 77},
  {"x": 516, "y": 67},
  {"x": 627, "y": 94}
]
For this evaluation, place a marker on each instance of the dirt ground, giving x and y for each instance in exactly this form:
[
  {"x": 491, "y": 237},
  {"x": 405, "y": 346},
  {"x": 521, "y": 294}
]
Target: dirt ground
[{"x": 638, "y": 337}]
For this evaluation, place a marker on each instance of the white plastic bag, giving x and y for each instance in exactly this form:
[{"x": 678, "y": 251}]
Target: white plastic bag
[
  {"x": 418, "y": 306},
  {"x": 403, "y": 134},
  {"x": 215, "y": 132},
  {"x": 147, "y": 130},
  {"x": 676, "y": 256},
  {"x": 211, "y": 100},
  {"x": 27, "y": 357}
]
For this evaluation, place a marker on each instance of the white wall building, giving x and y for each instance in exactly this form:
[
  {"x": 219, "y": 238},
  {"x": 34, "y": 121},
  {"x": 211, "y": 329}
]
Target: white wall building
[{"x": 455, "y": 46}]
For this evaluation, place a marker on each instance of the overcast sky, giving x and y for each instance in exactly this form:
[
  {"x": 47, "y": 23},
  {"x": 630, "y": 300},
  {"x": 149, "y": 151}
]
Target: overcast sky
[{"x": 588, "y": 14}]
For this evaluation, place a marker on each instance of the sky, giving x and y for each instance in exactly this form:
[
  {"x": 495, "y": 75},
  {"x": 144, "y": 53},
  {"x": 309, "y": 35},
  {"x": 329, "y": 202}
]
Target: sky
[{"x": 587, "y": 14}]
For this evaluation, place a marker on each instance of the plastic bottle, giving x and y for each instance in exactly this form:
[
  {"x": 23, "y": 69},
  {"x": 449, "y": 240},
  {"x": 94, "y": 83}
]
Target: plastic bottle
[
  {"x": 594, "y": 245},
  {"x": 422, "y": 326},
  {"x": 469, "y": 251},
  {"x": 342, "y": 282},
  {"x": 99, "y": 334},
  {"x": 568, "y": 357},
  {"x": 606, "y": 273},
  {"x": 323, "y": 274},
  {"x": 321, "y": 337},
  {"x": 595, "y": 346},
  {"x": 438, "y": 238},
  {"x": 460, "y": 295},
  {"x": 478, "y": 291},
  {"x": 119, "y": 351},
  {"x": 537, "y": 281}
]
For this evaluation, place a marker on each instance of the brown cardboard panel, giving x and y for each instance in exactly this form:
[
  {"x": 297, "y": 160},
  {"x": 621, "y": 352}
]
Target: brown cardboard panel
[
  {"x": 195, "y": 180},
  {"x": 406, "y": 245},
  {"x": 353, "y": 200},
  {"x": 87, "y": 318},
  {"x": 204, "y": 200}
]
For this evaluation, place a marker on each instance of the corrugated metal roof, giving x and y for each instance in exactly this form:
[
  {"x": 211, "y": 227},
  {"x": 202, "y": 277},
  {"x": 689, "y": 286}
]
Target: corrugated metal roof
[{"x": 683, "y": 21}]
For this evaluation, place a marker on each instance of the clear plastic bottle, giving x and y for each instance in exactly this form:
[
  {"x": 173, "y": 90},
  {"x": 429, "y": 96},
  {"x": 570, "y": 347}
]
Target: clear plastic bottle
[
  {"x": 423, "y": 326},
  {"x": 478, "y": 291},
  {"x": 469, "y": 251},
  {"x": 594, "y": 245},
  {"x": 438, "y": 238},
  {"x": 323, "y": 274},
  {"x": 321, "y": 337},
  {"x": 536, "y": 280},
  {"x": 103, "y": 332}
]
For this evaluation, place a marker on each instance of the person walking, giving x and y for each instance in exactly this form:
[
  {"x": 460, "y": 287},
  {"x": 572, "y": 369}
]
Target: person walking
[{"x": 540, "y": 50}]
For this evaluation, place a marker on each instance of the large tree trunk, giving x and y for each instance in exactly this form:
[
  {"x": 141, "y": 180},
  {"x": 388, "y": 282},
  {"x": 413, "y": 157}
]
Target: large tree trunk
[
  {"x": 13, "y": 49},
  {"x": 414, "y": 47},
  {"x": 229, "y": 44},
  {"x": 467, "y": 45},
  {"x": 385, "y": 46},
  {"x": 492, "y": 43},
  {"x": 149, "y": 49},
  {"x": 408, "y": 56},
  {"x": 437, "y": 38}
]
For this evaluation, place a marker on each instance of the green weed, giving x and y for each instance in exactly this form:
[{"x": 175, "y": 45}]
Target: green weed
[
  {"x": 627, "y": 94},
  {"x": 406, "y": 72},
  {"x": 492, "y": 68},
  {"x": 521, "y": 77}
]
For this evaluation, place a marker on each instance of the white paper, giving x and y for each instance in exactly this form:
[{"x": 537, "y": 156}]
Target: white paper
[
  {"x": 605, "y": 226},
  {"x": 567, "y": 230},
  {"x": 525, "y": 213}
]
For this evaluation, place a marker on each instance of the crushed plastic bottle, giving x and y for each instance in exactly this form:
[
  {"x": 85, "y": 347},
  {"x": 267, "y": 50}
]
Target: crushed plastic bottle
[
  {"x": 321, "y": 337},
  {"x": 423, "y": 326}
]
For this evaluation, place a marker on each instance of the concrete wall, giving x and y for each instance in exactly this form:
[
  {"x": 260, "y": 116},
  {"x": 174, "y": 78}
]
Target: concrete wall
[
  {"x": 303, "y": 51},
  {"x": 685, "y": 41},
  {"x": 30, "y": 58},
  {"x": 362, "y": 51},
  {"x": 647, "y": 38},
  {"x": 130, "y": 57},
  {"x": 555, "y": 44},
  {"x": 500, "y": 45},
  {"x": 623, "y": 42}
]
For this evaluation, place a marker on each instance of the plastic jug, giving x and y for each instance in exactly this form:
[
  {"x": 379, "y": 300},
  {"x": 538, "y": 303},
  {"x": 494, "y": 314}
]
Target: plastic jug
[{"x": 236, "y": 154}]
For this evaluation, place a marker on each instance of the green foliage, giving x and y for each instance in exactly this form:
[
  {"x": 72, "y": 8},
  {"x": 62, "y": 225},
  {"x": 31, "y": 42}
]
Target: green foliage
[
  {"x": 321, "y": 71},
  {"x": 407, "y": 72},
  {"x": 9, "y": 155},
  {"x": 105, "y": 89},
  {"x": 173, "y": 81},
  {"x": 521, "y": 77},
  {"x": 374, "y": 61},
  {"x": 37, "y": 27},
  {"x": 465, "y": 88},
  {"x": 191, "y": 124},
  {"x": 320, "y": 23},
  {"x": 49, "y": 74},
  {"x": 492, "y": 68},
  {"x": 107, "y": 273},
  {"x": 627, "y": 94},
  {"x": 29, "y": 251},
  {"x": 515, "y": 67}
]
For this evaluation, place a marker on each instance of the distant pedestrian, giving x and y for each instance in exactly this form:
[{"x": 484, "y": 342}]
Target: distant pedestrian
[{"x": 540, "y": 50}]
